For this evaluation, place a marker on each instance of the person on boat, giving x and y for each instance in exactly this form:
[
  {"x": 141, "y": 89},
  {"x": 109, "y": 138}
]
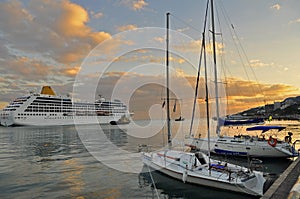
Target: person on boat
[
  {"x": 195, "y": 162},
  {"x": 229, "y": 175},
  {"x": 288, "y": 138},
  {"x": 270, "y": 118},
  {"x": 185, "y": 173}
]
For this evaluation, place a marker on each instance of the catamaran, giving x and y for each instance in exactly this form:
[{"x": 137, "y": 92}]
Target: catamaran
[
  {"x": 48, "y": 109},
  {"x": 198, "y": 168}
]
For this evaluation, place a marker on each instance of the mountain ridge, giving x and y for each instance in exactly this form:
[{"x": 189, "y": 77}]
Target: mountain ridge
[{"x": 288, "y": 109}]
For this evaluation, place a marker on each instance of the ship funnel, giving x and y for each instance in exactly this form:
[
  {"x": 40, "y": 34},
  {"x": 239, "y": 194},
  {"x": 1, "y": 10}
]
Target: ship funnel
[{"x": 47, "y": 90}]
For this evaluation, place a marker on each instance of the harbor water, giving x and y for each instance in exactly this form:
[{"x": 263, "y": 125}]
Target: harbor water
[{"x": 59, "y": 162}]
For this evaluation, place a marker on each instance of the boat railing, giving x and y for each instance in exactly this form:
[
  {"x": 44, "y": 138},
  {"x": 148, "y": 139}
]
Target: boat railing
[{"x": 144, "y": 148}]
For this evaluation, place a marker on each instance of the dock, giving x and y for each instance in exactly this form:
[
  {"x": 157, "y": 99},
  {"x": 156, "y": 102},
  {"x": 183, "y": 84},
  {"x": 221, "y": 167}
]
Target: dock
[{"x": 282, "y": 187}]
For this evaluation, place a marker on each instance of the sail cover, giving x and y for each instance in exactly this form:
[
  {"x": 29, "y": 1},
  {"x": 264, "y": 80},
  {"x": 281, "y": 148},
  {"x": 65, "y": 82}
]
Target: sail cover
[
  {"x": 233, "y": 122},
  {"x": 265, "y": 128}
]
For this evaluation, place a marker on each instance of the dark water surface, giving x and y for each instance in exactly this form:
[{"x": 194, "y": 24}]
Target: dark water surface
[{"x": 53, "y": 162}]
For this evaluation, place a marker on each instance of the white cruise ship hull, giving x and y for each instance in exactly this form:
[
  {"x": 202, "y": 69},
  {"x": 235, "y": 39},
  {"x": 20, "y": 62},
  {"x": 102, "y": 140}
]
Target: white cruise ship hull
[
  {"x": 48, "y": 109},
  {"x": 11, "y": 120}
]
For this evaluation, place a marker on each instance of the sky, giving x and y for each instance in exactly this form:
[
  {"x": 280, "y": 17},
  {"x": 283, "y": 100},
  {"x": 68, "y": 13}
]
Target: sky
[{"x": 120, "y": 44}]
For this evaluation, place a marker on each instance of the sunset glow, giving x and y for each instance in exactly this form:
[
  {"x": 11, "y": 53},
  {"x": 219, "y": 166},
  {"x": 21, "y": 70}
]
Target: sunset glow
[{"x": 46, "y": 43}]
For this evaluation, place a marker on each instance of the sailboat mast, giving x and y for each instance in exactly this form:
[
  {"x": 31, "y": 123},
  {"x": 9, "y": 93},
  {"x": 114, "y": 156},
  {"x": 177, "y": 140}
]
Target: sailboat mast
[
  {"x": 206, "y": 103},
  {"x": 215, "y": 66},
  {"x": 167, "y": 88},
  {"x": 199, "y": 67}
]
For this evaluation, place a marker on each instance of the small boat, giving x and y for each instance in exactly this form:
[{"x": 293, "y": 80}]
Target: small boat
[
  {"x": 122, "y": 120},
  {"x": 198, "y": 168}
]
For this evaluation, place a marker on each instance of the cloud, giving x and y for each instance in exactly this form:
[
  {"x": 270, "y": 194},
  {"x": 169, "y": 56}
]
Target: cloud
[
  {"x": 139, "y": 4},
  {"x": 70, "y": 71},
  {"x": 275, "y": 7},
  {"x": 159, "y": 39},
  {"x": 259, "y": 63},
  {"x": 183, "y": 29},
  {"x": 195, "y": 45},
  {"x": 151, "y": 57},
  {"x": 43, "y": 43},
  {"x": 240, "y": 94},
  {"x": 54, "y": 29},
  {"x": 295, "y": 21},
  {"x": 135, "y": 4},
  {"x": 191, "y": 46},
  {"x": 26, "y": 68},
  {"x": 97, "y": 15},
  {"x": 149, "y": 90},
  {"x": 244, "y": 94},
  {"x": 127, "y": 27}
]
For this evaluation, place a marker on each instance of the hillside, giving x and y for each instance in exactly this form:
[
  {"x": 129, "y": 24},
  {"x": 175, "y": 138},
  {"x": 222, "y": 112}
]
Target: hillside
[{"x": 286, "y": 109}]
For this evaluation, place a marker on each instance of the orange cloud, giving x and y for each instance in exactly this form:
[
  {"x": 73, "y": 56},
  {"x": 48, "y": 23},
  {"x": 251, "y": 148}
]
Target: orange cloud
[
  {"x": 258, "y": 63},
  {"x": 31, "y": 68},
  {"x": 295, "y": 21},
  {"x": 127, "y": 27},
  {"x": 242, "y": 94},
  {"x": 73, "y": 19},
  {"x": 71, "y": 71},
  {"x": 276, "y": 7},
  {"x": 147, "y": 56},
  {"x": 195, "y": 45},
  {"x": 73, "y": 22},
  {"x": 56, "y": 29},
  {"x": 139, "y": 4},
  {"x": 159, "y": 39},
  {"x": 135, "y": 4}
]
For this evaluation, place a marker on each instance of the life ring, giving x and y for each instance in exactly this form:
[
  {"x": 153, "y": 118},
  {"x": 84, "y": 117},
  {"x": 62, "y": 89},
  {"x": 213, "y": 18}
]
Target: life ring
[{"x": 272, "y": 141}]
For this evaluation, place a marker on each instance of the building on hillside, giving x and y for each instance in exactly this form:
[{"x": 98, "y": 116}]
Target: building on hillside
[{"x": 277, "y": 105}]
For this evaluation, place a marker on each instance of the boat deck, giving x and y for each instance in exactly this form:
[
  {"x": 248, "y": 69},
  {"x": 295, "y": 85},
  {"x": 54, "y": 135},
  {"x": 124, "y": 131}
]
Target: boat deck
[{"x": 282, "y": 186}]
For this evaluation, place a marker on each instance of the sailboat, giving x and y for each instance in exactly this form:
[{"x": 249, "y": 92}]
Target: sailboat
[
  {"x": 198, "y": 168},
  {"x": 248, "y": 146},
  {"x": 241, "y": 145}
]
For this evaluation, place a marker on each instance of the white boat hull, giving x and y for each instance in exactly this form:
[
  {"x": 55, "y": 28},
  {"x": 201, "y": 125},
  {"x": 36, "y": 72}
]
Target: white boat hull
[
  {"x": 231, "y": 146},
  {"x": 201, "y": 176}
]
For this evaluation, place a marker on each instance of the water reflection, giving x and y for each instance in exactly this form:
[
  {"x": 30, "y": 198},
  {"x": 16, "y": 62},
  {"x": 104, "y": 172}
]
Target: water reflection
[
  {"x": 116, "y": 135},
  {"x": 40, "y": 160},
  {"x": 52, "y": 162},
  {"x": 47, "y": 144}
]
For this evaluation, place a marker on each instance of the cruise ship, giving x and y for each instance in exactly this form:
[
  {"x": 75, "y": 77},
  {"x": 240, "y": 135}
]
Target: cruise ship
[{"x": 48, "y": 109}]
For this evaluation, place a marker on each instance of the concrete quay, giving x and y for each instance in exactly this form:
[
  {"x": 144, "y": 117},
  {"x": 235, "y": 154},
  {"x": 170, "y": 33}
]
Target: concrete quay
[{"x": 286, "y": 186}]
